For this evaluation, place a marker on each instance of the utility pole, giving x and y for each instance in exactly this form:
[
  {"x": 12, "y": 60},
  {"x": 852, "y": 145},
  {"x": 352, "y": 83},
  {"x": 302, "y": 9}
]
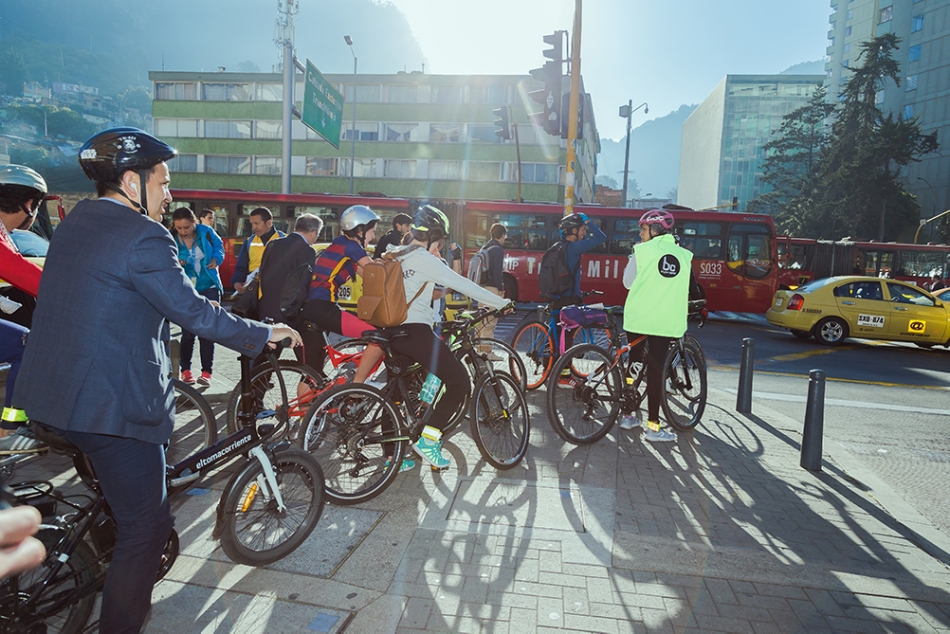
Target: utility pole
[
  {"x": 285, "y": 40},
  {"x": 349, "y": 42},
  {"x": 570, "y": 173},
  {"x": 626, "y": 112}
]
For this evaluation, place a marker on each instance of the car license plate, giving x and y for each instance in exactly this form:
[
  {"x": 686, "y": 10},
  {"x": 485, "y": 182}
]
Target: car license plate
[
  {"x": 871, "y": 321},
  {"x": 778, "y": 302}
]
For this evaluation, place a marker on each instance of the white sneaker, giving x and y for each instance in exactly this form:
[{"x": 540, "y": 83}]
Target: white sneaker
[
  {"x": 631, "y": 421},
  {"x": 664, "y": 435}
]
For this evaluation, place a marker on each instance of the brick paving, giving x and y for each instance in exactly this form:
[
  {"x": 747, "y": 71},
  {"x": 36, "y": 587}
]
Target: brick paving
[{"x": 720, "y": 531}]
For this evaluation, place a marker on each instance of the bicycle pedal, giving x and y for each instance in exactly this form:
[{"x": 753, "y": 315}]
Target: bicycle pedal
[{"x": 435, "y": 469}]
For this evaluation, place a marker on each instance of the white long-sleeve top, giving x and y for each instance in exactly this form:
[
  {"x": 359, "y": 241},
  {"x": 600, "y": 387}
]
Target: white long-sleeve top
[
  {"x": 630, "y": 271},
  {"x": 421, "y": 268}
]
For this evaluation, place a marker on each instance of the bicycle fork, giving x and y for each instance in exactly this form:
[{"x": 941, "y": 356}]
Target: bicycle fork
[{"x": 266, "y": 482}]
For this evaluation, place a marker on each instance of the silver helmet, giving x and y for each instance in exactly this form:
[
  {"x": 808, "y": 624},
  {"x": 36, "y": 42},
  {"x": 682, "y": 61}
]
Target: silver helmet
[{"x": 356, "y": 216}]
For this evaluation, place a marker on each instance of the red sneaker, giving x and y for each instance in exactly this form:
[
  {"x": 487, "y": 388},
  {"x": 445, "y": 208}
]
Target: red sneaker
[
  {"x": 567, "y": 382},
  {"x": 204, "y": 379},
  {"x": 187, "y": 377}
]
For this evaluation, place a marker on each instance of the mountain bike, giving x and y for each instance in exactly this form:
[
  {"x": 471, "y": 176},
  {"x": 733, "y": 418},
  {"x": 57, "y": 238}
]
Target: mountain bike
[
  {"x": 609, "y": 383},
  {"x": 360, "y": 434},
  {"x": 268, "y": 507},
  {"x": 538, "y": 344}
]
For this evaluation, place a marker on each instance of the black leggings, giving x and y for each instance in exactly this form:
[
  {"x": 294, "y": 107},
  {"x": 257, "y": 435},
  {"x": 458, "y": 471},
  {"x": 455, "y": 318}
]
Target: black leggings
[
  {"x": 658, "y": 347},
  {"x": 424, "y": 347}
]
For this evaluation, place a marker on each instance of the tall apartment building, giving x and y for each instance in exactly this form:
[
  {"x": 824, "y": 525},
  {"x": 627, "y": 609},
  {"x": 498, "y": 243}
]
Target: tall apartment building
[
  {"x": 417, "y": 135},
  {"x": 722, "y": 153},
  {"x": 923, "y": 27}
]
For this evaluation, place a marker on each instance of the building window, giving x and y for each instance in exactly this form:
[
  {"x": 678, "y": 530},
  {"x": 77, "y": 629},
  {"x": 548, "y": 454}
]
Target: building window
[
  {"x": 269, "y": 165},
  {"x": 320, "y": 166},
  {"x": 226, "y": 92},
  {"x": 847, "y": 31},
  {"x": 483, "y": 133},
  {"x": 184, "y": 163},
  {"x": 448, "y": 94},
  {"x": 402, "y": 94},
  {"x": 497, "y": 94},
  {"x": 399, "y": 168},
  {"x": 847, "y": 47},
  {"x": 227, "y": 129},
  {"x": 484, "y": 171},
  {"x": 181, "y": 128},
  {"x": 886, "y": 14},
  {"x": 176, "y": 92},
  {"x": 850, "y": 13},
  {"x": 913, "y": 53},
  {"x": 269, "y": 92},
  {"x": 911, "y": 83},
  {"x": 398, "y": 132},
  {"x": 364, "y": 94},
  {"x": 445, "y": 170},
  {"x": 365, "y": 131},
  {"x": 536, "y": 172},
  {"x": 268, "y": 129},
  {"x": 364, "y": 168},
  {"x": 227, "y": 165},
  {"x": 846, "y": 63},
  {"x": 444, "y": 132},
  {"x": 908, "y": 113},
  {"x": 917, "y": 23}
]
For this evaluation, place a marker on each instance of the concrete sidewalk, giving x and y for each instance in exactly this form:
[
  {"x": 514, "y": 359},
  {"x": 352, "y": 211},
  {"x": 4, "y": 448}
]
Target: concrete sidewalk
[{"x": 720, "y": 531}]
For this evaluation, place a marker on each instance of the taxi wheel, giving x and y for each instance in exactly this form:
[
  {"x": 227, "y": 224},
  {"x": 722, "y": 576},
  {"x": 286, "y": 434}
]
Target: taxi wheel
[
  {"x": 831, "y": 331},
  {"x": 801, "y": 334}
]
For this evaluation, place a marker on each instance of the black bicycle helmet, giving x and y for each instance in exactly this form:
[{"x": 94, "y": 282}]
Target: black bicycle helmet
[
  {"x": 110, "y": 153},
  {"x": 572, "y": 221},
  {"x": 430, "y": 224}
]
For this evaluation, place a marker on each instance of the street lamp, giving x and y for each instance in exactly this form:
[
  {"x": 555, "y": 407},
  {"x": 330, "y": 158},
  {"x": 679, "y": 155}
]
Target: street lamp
[
  {"x": 349, "y": 42},
  {"x": 933, "y": 203},
  {"x": 626, "y": 112}
]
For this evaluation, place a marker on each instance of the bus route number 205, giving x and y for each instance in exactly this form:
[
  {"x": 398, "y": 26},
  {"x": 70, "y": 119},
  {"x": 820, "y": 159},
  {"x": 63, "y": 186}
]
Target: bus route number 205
[{"x": 710, "y": 269}]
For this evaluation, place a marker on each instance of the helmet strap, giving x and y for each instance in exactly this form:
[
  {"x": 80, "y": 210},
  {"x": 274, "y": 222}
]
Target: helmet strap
[{"x": 143, "y": 177}]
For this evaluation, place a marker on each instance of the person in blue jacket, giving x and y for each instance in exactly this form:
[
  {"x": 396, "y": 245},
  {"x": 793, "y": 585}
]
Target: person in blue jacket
[{"x": 200, "y": 253}]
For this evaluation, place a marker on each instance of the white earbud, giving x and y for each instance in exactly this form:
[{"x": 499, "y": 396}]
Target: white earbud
[{"x": 134, "y": 188}]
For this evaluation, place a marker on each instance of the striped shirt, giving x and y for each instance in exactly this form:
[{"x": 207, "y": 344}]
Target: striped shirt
[{"x": 324, "y": 284}]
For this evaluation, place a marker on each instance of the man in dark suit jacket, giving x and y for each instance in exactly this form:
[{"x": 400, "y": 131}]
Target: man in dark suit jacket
[
  {"x": 96, "y": 367},
  {"x": 281, "y": 258}
]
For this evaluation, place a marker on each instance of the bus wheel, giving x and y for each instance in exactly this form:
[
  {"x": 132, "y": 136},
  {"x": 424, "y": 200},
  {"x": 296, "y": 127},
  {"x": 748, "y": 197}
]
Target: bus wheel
[
  {"x": 801, "y": 334},
  {"x": 511, "y": 288},
  {"x": 831, "y": 331}
]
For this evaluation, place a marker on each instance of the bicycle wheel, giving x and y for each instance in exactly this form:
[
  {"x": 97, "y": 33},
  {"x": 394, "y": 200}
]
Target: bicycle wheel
[
  {"x": 504, "y": 359},
  {"x": 344, "y": 371},
  {"x": 584, "y": 412},
  {"x": 357, "y": 436},
  {"x": 195, "y": 426},
  {"x": 500, "y": 420},
  {"x": 595, "y": 335},
  {"x": 79, "y": 569},
  {"x": 302, "y": 385},
  {"x": 684, "y": 386},
  {"x": 255, "y": 531},
  {"x": 536, "y": 348}
]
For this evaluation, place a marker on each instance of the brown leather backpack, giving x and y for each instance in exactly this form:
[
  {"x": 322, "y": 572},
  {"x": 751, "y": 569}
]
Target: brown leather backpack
[{"x": 383, "y": 302}]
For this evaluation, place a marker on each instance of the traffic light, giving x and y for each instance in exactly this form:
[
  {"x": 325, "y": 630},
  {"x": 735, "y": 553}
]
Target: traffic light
[
  {"x": 550, "y": 95},
  {"x": 566, "y": 109},
  {"x": 735, "y": 203},
  {"x": 501, "y": 120}
]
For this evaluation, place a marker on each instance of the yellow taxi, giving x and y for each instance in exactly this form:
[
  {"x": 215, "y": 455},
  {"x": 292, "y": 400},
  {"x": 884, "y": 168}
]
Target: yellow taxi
[{"x": 834, "y": 308}]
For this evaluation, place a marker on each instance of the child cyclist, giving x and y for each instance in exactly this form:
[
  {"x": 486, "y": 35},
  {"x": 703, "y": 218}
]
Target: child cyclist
[
  {"x": 422, "y": 266},
  {"x": 339, "y": 262}
]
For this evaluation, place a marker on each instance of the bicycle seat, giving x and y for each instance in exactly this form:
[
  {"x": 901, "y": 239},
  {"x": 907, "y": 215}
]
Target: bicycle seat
[
  {"x": 384, "y": 336},
  {"x": 56, "y": 442}
]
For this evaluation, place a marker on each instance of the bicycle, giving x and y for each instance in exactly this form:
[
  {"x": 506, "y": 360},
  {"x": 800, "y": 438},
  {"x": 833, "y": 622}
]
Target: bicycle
[
  {"x": 609, "y": 383},
  {"x": 537, "y": 343},
  {"x": 360, "y": 434},
  {"x": 268, "y": 507}
]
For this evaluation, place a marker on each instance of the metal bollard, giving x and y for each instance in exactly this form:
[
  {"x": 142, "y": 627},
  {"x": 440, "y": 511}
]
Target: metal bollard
[
  {"x": 814, "y": 422},
  {"x": 744, "y": 396}
]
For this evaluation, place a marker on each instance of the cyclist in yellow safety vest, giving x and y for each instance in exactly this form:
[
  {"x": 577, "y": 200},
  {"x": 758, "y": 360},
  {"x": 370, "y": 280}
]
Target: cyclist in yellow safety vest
[
  {"x": 657, "y": 275},
  {"x": 249, "y": 260}
]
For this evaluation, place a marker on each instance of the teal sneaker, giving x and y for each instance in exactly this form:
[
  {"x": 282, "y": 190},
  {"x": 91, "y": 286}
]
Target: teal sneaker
[
  {"x": 431, "y": 452},
  {"x": 408, "y": 464}
]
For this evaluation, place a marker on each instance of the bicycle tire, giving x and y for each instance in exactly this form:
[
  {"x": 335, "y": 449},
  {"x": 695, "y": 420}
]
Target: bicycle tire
[
  {"x": 253, "y": 542},
  {"x": 585, "y": 412},
  {"x": 335, "y": 431},
  {"x": 509, "y": 362},
  {"x": 501, "y": 426},
  {"x": 195, "y": 425},
  {"x": 684, "y": 386},
  {"x": 599, "y": 336},
  {"x": 81, "y": 568},
  {"x": 534, "y": 345},
  {"x": 271, "y": 407}
]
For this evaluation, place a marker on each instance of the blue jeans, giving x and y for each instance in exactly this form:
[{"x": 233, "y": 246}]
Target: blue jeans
[
  {"x": 12, "y": 345},
  {"x": 206, "y": 346},
  {"x": 132, "y": 476}
]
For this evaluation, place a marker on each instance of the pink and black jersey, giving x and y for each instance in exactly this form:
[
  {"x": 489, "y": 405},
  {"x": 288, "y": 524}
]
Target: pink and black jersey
[{"x": 334, "y": 268}]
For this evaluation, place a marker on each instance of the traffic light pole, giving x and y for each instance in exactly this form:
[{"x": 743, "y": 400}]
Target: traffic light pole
[
  {"x": 570, "y": 173},
  {"x": 518, "y": 152}
]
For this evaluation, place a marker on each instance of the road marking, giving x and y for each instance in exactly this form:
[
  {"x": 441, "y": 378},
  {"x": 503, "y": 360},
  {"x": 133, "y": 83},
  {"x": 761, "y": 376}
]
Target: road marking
[
  {"x": 735, "y": 368},
  {"x": 840, "y": 402},
  {"x": 796, "y": 356}
]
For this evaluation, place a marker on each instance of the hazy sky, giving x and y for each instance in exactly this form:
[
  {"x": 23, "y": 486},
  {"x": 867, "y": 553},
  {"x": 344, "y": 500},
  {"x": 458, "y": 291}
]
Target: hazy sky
[{"x": 664, "y": 52}]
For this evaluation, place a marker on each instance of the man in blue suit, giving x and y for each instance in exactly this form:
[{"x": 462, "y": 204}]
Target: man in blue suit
[{"x": 96, "y": 368}]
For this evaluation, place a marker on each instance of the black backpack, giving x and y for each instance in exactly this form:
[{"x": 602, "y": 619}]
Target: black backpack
[
  {"x": 295, "y": 290},
  {"x": 555, "y": 277}
]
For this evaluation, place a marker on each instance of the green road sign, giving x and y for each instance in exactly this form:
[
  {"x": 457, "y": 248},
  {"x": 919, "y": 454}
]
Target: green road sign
[{"x": 322, "y": 106}]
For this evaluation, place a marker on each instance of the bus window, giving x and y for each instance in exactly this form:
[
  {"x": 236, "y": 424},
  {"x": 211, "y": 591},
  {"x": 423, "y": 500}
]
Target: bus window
[
  {"x": 878, "y": 263},
  {"x": 626, "y": 234},
  {"x": 602, "y": 247},
  {"x": 245, "y": 209},
  {"x": 749, "y": 250},
  {"x": 921, "y": 263},
  {"x": 329, "y": 215},
  {"x": 525, "y": 231},
  {"x": 243, "y": 228},
  {"x": 476, "y": 230},
  {"x": 704, "y": 239}
]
